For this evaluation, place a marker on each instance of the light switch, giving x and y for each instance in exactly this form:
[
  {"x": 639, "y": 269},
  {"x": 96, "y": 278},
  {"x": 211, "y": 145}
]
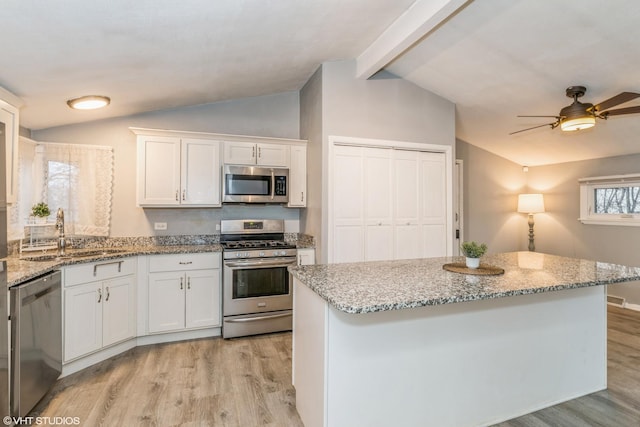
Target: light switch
[{"x": 159, "y": 225}]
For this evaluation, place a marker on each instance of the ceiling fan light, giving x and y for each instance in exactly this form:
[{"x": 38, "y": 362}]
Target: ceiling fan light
[
  {"x": 578, "y": 123},
  {"x": 90, "y": 102}
]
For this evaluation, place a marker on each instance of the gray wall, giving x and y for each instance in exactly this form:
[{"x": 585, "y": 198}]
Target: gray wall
[
  {"x": 273, "y": 116},
  {"x": 384, "y": 107},
  {"x": 311, "y": 130},
  {"x": 490, "y": 189},
  {"x": 559, "y": 232}
]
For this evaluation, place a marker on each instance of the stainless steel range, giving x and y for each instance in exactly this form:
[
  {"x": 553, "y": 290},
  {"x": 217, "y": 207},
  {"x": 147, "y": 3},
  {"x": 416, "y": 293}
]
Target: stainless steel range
[{"x": 257, "y": 295}]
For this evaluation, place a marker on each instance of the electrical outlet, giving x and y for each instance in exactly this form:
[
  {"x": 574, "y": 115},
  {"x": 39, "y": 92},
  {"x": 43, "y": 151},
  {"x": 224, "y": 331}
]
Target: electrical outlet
[
  {"x": 159, "y": 225},
  {"x": 217, "y": 227}
]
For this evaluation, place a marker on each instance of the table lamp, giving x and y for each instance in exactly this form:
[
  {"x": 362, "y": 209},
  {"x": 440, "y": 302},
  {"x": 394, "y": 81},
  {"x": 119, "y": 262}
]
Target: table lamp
[{"x": 530, "y": 204}]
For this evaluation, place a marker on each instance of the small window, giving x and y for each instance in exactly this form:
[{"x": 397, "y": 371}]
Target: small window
[{"x": 613, "y": 200}]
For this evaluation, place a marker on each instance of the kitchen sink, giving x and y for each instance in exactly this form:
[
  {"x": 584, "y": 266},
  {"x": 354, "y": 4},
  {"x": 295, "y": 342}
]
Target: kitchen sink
[{"x": 73, "y": 255}]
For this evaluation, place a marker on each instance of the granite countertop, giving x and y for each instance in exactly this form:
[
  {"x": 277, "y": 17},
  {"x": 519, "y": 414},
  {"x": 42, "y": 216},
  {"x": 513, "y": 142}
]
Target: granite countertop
[
  {"x": 19, "y": 270},
  {"x": 392, "y": 285}
]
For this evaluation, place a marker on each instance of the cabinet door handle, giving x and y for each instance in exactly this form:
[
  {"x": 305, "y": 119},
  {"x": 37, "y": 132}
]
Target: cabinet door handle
[
  {"x": 184, "y": 195},
  {"x": 177, "y": 195},
  {"x": 108, "y": 293},
  {"x": 188, "y": 282},
  {"x": 259, "y": 152},
  {"x": 185, "y": 262},
  {"x": 99, "y": 295},
  {"x": 302, "y": 196},
  {"x": 253, "y": 152},
  {"x": 182, "y": 283}
]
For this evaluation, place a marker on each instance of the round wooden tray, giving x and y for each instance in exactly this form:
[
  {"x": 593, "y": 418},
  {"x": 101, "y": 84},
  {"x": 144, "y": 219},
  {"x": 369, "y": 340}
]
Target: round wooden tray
[{"x": 483, "y": 270}]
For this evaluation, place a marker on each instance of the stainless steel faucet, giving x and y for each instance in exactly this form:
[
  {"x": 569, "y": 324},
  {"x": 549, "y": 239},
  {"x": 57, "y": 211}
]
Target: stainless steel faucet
[{"x": 62, "y": 242}]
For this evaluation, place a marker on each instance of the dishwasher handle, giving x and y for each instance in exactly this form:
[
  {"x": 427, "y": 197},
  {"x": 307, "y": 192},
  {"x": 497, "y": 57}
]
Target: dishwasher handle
[
  {"x": 29, "y": 299},
  {"x": 35, "y": 289}
]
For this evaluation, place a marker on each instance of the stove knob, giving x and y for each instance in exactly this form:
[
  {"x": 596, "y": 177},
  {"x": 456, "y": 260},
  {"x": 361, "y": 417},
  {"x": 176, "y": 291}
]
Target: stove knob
[
  {"x": 246, "y": 254},
  {"x": 238, "y": 254},
  {"x": 261, "y": 253}
]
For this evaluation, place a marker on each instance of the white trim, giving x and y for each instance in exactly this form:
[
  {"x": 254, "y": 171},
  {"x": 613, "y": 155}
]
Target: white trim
[
  {"x": 615, "y": 178},
  {"x": 634, "y": 307},
  {"x": 459, "y": 187},
  {"x": 423, "y": 17},
  {"x": 587, "y": 188}
]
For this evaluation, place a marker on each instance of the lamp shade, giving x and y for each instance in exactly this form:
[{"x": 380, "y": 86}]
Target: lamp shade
[
  {"x": 578, "y": 123},
  {"x": 530, "y": 203}
]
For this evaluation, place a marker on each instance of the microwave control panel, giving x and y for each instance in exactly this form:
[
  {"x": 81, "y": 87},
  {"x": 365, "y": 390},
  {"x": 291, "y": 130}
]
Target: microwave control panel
[{"x": 281, "y": 186}]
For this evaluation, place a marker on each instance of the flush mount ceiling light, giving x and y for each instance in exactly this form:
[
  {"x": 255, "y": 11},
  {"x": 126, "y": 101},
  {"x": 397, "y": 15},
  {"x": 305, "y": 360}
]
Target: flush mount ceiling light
[
  {"x": 583, "y": 115},
  {"x": 90, "y": 102}
]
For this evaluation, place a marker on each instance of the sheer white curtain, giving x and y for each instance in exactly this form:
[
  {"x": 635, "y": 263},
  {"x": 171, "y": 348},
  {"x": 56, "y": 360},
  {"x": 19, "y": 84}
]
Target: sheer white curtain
[{"x": 77, "y": 178}]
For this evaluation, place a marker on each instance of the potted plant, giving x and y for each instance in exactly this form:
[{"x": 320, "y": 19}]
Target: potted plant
[
  {"x": 40, "y": 211},
  {"x": 473, "y": 251}
]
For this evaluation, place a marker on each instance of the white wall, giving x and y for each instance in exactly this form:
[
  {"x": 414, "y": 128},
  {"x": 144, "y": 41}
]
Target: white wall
[
  {"x": 385, "y": 107},
  {"x": 272, "y": 115}
]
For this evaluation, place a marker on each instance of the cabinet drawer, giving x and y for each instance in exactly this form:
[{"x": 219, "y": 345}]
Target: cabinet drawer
[
  {"x": 181, "y": 262},
  {"x": 99, "y": 270}
]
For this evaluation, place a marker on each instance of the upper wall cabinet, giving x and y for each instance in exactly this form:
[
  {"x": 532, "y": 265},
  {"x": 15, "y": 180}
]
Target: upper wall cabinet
[
  {"x": 249, "y": 153},
  {"x": 183, "y": 169},
  {"x": 9, "y": 115},
  {"x": 298, "y": 177},
  {"x": 178, "y": 172}
]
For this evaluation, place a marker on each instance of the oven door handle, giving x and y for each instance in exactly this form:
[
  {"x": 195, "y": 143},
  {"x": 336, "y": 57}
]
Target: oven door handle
[
  {"x": 280, "y": 262},
  {"x": 252, "y": 319}
]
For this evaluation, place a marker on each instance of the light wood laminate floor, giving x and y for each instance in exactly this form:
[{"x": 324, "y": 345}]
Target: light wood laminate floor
[
  {"x": 247, "y": 382},
  {"x": 207, "y": 382}
]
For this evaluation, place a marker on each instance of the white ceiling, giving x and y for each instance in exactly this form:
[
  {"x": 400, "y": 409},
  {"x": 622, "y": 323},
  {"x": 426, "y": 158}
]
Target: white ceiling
[
  {"x": 495, "y": 59},
  {"x": 156, "y": 54}
]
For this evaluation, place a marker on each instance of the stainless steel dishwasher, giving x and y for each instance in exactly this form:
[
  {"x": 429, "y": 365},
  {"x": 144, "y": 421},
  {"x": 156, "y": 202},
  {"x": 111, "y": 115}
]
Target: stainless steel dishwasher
[{"x": 36, "y": 340}]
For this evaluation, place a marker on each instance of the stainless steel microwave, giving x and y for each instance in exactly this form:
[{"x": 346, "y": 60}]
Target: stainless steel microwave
[{"x": 254, "y": 184}]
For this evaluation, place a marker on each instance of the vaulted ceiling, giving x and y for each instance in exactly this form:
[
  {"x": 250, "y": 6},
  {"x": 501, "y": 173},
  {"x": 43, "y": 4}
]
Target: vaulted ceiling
[{"x": 494, "y": 59}]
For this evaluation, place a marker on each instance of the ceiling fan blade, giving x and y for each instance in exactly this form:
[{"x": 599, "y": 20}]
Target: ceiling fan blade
[
  {"x": 555, "y": 117},
  {"x": 553, "y": 125},
  {"x": 620, "y": 111},
  {"x": 621, "y": 98}
]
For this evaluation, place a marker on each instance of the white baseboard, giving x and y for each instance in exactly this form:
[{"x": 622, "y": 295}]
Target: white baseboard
[{"x": 634, "y": 307}]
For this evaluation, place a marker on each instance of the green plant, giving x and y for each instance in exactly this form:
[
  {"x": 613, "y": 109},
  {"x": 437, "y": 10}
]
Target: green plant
[
  {"x": 40, "y": 210},
  {"x": 473, "y": 249}
]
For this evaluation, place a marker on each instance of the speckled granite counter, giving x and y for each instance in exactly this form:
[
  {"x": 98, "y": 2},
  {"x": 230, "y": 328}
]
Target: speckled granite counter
[
  {"x": 418, "y": 358},
  {"x": 19, "y": 271},
  {"x": 392, "y": 285}
]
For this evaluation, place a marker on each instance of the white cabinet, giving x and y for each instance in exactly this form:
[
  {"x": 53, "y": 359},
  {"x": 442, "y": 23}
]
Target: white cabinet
[
  {"x": 306, "y": 256},
  {"x": 174, "y": 171},
  {"x": 387, "y": 204},
  {"x": 184, "y": 292},
  {"x": 298, "y": 177},
  {"x": 99, "y": 306},
  {"x": 9, "y": 115},
  {"x": 249, "y": 153}
]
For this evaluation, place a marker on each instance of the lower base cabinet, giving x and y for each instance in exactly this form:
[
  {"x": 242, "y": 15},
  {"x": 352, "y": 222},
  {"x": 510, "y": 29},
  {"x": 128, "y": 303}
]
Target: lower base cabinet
[
  {"x": 187, "y": 298},
  {"x": 99, "y": 313}
]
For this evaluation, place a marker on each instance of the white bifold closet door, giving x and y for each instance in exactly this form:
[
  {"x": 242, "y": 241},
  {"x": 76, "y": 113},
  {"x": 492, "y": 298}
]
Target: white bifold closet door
[{"x": 387, "y": 204}]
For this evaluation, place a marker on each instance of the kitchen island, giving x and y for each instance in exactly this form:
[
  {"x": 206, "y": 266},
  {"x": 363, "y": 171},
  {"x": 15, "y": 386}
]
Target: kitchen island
[{"x": 407, "y": 343}]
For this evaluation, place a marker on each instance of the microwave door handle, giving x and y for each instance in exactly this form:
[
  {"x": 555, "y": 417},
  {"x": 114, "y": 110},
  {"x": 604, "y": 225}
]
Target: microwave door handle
[{"x": 273, "y": 184}]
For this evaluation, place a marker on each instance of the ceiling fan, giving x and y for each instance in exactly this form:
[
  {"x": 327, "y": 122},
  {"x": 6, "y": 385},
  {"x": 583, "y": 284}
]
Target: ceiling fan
[{"x": 578, "y": 115}]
